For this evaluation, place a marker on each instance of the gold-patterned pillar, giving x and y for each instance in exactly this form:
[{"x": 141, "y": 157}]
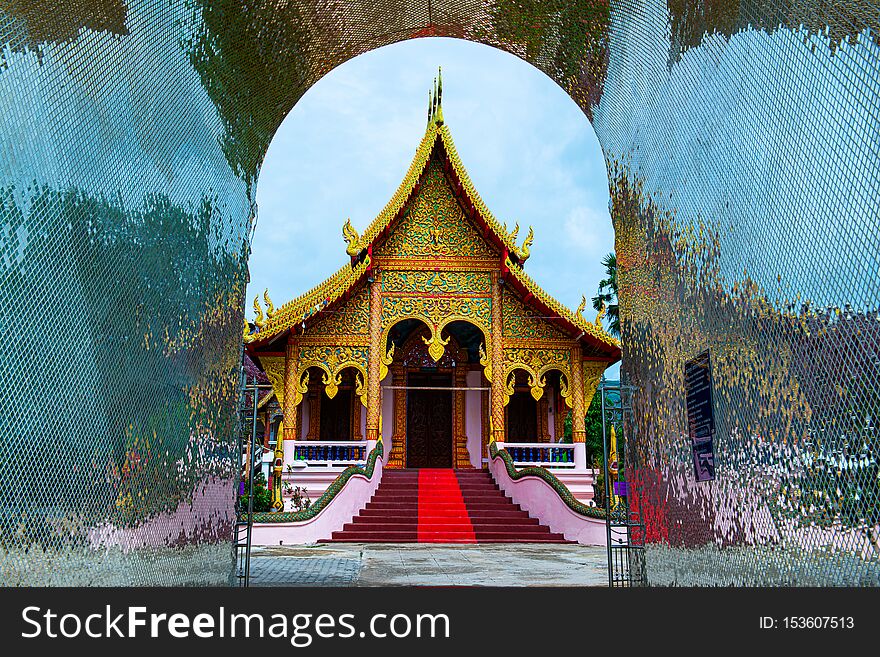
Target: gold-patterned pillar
[
  {"x": 462, "y": 457},
  {"x": 497, "y": 391},
  {"x": 374, "y": 382},
  {"x": 288, "y": 404},
  {"x": 397, "y": 458},
  {"x": 578, "y": 429}
]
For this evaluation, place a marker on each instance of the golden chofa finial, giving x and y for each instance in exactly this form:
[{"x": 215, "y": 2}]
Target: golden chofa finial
[
  {"x": 601, "y": 314},
  {"x": 524, "y": 251},
  {"x": 351, "y": 237},
  {"x": 514, "y": 233},
  {"x": 580, "y": 309},
  {"x": 270, "y": 307},
  {"x": 259, "y": 322},
  {"x": 246, "y": 335}
]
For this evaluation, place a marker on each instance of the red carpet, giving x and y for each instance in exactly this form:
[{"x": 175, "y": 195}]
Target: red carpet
[
  {"x": 443, "y": 517},
  {"x": 442, "y": 506}
]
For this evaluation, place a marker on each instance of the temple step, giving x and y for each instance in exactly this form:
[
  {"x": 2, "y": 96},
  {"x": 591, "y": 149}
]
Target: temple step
[{"x": 443, "y": 506}]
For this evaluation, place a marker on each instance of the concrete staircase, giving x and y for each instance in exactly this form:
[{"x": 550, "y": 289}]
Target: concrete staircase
[{"x": 442, "y": 506}]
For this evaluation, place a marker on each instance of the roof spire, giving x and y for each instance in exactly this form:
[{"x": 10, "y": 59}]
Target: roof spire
[
  {"x": 435, "y": 97},
  {"x": 438, "y": 116}
]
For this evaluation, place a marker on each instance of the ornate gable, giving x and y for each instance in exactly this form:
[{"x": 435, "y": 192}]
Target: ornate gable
[{"x": 434, "y": 225}]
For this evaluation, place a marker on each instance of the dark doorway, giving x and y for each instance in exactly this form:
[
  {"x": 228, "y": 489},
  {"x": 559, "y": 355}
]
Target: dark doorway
[
  {"x": 522, "y": 418},
  {"x": 336, "y": 416},
  {"x": 429, "y": 422}
]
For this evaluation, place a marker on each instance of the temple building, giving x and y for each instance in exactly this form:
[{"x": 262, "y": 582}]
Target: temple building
[{"x": 430, "y": 337}]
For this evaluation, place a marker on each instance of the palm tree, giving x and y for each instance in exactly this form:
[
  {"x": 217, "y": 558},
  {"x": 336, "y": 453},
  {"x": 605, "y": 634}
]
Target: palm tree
[{"x": 607, "y": 294}]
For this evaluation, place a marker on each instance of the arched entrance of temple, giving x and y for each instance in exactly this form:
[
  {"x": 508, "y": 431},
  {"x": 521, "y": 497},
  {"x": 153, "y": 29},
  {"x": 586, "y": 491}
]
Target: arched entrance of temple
[{"x": 436, "y": 404}]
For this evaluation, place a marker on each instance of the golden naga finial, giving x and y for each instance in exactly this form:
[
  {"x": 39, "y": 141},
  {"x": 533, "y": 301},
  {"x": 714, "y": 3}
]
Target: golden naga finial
[
  {"x": 600, "y": 315},
  {"x": 246, "y": 335},
  {"x": 524, "y": 252},
  {"x": 351, "y": 237},
  {"x": 514, "y": 233},
  {"x": 580, "y": 309},
  {"x": 259, "y": 322},
  {"x": 270, "y": 307}
]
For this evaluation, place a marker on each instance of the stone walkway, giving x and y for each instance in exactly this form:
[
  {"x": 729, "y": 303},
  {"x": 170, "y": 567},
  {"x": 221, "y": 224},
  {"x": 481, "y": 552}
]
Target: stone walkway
[{"x": 355, "y": 564}]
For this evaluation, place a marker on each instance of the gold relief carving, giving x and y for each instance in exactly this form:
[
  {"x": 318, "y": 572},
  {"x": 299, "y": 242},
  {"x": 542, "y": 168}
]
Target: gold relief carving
[
  {"x": 301, "y": 388},
  {"x": 273, "y": 366},
  {"x": 385, "y": 362},
  {"x": 525, "y": 250},
  {"x": 435, "y": 223},
  {"x": 537, "y": 386},
  {"x": 486, "y": 362},
  {"x": 564, "y": 390},
  {"x": 347, "y": 319},
  {"x": 436, "y": 346},
  {"x": 434, "y": 282},
  {"x": 592, "y": 373},
  {"x": 520, "y": 321},
  {"x": 509, "y": 387},
  {"x": 537, "y": 361},
  {"x": 437, "y": 311},
  {"x": 580, "y": 309},
  {"x": 331, "y": 384},
  {"x": 360, "y": 389}
]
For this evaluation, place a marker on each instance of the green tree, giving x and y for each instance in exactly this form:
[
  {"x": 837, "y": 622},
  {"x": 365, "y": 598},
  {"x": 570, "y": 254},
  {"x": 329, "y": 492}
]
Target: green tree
[{"x": 607, "y": 294}]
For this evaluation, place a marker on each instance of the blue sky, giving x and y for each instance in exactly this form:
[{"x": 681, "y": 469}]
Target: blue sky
[{"x": 344, "y": 148}]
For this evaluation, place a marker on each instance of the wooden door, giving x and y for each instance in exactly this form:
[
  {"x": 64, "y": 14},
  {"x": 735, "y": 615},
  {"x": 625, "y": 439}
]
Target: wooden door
[{"x": 429, "y": 422}]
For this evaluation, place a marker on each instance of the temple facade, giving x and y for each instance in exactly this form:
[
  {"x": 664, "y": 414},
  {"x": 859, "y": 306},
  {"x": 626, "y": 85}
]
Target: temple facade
[{"x": 431, "y": 337}]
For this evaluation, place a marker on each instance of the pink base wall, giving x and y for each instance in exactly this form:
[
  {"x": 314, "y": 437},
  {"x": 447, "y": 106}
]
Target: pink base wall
[
  {"x": 346, "y": 505},
  {"x": 538, "y": 498}
]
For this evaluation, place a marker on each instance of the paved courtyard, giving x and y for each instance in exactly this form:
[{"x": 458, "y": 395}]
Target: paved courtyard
[{"x": 356, "y": 564}]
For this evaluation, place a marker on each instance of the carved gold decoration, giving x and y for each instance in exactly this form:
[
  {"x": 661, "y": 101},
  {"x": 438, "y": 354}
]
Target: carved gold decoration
[
  {"x": 274, "y": 367},
  {"x": 349, "y": 318},
  {"x": 437, "y": 312},
  {"x": 509, "y": 387},
  {"x": 436, "y": 346},
  {"x": 580, "y": 309},
  {"x": 520, "y": 321},
  {"x": 385, "y": 362},
  {"x": 437, "y": 282},
  {"x": 360, "y": 389},
  {"x": 486, "y": 362},
  {"x": 246, "y": 335},
  {"x": 352, "y": 239},
  {"x": 514, "y": 233},
  {"x": 564, "y": 390},
  {"x": 302, "y": 387},
  {"x": 270, "y": 307},
  {"x": 592, "y": 375},
  {"x": 434, "y": 223},
  {"x": 537, "y": 361},
  {"x": 331, "y": 384},
  {"x": 259, "y": 322},
  {"x": 537, "y": 386}
]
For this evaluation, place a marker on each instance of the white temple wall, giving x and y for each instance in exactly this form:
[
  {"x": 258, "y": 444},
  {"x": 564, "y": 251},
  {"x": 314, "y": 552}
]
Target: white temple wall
[{"x": 473, "y": 425}]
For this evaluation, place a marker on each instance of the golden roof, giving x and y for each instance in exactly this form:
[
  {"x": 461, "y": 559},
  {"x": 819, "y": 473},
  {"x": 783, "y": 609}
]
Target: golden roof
[{"x": 298, "y": 310}]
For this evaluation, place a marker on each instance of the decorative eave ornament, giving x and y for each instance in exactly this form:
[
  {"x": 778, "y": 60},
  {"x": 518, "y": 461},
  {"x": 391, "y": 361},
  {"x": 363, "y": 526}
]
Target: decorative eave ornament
[
  {"x": 352, "y": 239},
  {"x": 259, "y": 320},
  {"x": 270, "y": 307},
  {"x": 523, "y": 252}
]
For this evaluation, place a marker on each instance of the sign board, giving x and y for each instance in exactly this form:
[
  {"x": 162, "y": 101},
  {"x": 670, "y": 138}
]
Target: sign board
[{"x": 700, "y": 415}]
